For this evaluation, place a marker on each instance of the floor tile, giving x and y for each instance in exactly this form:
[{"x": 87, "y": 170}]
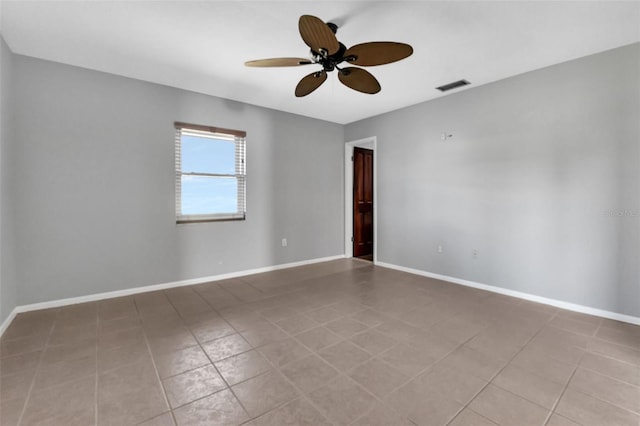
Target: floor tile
[
  {"x": 529, "y": 386},
  {"x": 192, "y": 319},
  {"x": 457, "y": 330},
  {"x": 126, "y": 337},
  {"x": 221, "y": 408},
  {"x": 54, "y": 354},
  {"x": 543, "y": 365},
  {"x": 344, "y": 355},
  {"x": 613, "y": 350},
  {"x": 423, "y": 408},
  {"x": 277, "y": 313},
  {"x": 121, "y": 356},
  {"x": 225, "y": 347},
  {"x": 172, "y": 363},
  {"x": 318, "y": 338},
  {"x": 82, "y": 313},
  {"x": 468, "y": 417},
  {"x": 130, "y": 394},
  {"x": 118, "y": 324},
  {"x": 433, "y": 345},
  {"x": 324, "y": 314},
  {"x": 263, "y": 393},
  {"x": 556, "y": 420},
  {"x": 342, "y": 400},
  {"x": 576, "y": 326},
  {"x": 298, "y": 412},
  {"x": 589, "y": 411},
  {"x": 607, "y": 389},
  {"x": 309, "y": 373},
  {"x": 244, "y": 320},
  {"x": 211, "y": 329},
  {"x": 296, "y": 324},
  {"x": 620, "y": 333},
  {"x": 17, "y": 363},
  {"x": 378, "y": 377},
  {"x": 264, "y": 334},
  {"x": 171, "y": 343},
  {"x": 22, "y": 327},
  {"x": 455, "y": 385},
  {"x": 120, "y": 307},
  {"x": 10, "y": 411},
  {"x": 22, "y": 345},
  {"x": 473, "y": 362},
  {"x": 65, "y": 371},
  {"x": 344, "y": 342},
  {"x": 72, "y": 403},
  {"x": 16, "y": 385},
  {"x": 407, "y": 359},
  {"x": 506, "y": 408},
  {"x": 165, "y": 419},
  {"x": 382, "y": 415},
  {"x": 345, "y": 327},
  {"x": 347, "y": 307},
  {"x": 72, "y": 333},
  {"x": 373, "y": 342},
  {"x": 424, "y": 317},
  {"x": 284, "y": 351},
  {"x": 611, "y": 367},
  {"x": 191, "y": 385},
  {"x": 502, "y": 345},
  {"x": 239, "y": 368},
  {"x": 400, "y": 330},
  {"x": 370, "y": 317}
]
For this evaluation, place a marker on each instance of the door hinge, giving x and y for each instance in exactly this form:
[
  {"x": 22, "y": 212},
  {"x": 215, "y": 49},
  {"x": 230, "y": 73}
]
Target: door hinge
[
  {"x": 351, "y": 239},
  {"x": 352, "y": 158}
]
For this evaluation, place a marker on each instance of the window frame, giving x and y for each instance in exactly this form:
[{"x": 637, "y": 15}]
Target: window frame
[{"x": 238, "y": 137}]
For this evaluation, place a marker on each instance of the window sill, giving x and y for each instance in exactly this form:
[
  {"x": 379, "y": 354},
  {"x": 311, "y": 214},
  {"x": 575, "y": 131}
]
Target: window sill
[{"x": 182, "y": 221}]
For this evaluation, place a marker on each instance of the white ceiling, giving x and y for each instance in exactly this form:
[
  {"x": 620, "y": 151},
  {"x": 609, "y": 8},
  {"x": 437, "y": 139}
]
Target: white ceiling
[{"x": 202, "y": 45}]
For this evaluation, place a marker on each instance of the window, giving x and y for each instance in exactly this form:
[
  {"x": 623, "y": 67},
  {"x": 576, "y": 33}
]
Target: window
[{"x": 210, "y": 173}]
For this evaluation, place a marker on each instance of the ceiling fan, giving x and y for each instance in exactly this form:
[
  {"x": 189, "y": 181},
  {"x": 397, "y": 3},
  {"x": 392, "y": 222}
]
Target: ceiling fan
[{"x": 328, "y": 52}]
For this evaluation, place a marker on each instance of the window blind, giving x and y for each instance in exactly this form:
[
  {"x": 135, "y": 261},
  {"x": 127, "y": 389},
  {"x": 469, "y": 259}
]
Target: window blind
[{"x": 215, "y": 135}]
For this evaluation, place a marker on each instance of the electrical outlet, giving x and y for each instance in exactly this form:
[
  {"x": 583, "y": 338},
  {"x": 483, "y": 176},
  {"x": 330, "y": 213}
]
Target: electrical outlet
[
  {"x": 439, "y": 249},
  {"x": 474, "y": 254},
  {"x": 284, "y": 242}
]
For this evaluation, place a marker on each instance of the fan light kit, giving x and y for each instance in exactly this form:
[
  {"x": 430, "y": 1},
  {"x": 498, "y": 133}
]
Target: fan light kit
[{"x": 328, "y": 52}]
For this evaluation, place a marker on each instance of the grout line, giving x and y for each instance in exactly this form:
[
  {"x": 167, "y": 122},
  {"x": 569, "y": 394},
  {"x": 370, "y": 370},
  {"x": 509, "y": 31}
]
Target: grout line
[
  {"x": 153, "y": 362},
  {"x": 95, "y": 396},
  {"x": 251, "y": 305},
  {"x": 566, "y": 386},
  {"x": 37, "y": 369},
  {"x": 199, "y": 344},
  {"x": 510, "y": 360}
]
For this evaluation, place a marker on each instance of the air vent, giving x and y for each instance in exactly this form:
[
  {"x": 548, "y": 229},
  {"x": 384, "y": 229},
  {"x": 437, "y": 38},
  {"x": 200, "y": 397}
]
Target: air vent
[{"x": 453, "y": 85}]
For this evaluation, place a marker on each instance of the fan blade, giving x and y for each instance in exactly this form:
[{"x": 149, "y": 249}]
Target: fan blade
[
  {"x": 278, "y": 62},
  {"x": 317, "y": 35},
  {"x": 310, "y": 83},
  {"x": 359, "y": 79},
  {"x": 378, "y": 53}
]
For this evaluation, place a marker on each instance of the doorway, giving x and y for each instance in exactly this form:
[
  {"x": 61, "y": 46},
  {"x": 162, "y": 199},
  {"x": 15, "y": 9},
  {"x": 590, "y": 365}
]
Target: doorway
[
  {"x": 363, "y": 203},
  {"x": 350, "y": 212}
]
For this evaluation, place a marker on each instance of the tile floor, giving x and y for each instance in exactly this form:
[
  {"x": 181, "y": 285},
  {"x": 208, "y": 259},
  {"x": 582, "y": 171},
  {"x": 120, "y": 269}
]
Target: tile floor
[{"x": 336, "y": 343}]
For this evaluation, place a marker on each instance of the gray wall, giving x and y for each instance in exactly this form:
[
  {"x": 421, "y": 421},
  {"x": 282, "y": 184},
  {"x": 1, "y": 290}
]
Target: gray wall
[
  {"x": 94, "y": 185},
  {"x": 534, "y": 163},
  {"x": 8, "y": 289}
]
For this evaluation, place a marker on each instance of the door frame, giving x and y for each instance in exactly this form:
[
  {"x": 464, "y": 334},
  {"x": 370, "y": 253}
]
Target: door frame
[{"x": 368, "y": 143}]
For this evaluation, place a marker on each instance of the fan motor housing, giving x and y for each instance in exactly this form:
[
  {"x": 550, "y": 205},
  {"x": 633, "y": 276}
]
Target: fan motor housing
[{"x": 329, "y": 62}]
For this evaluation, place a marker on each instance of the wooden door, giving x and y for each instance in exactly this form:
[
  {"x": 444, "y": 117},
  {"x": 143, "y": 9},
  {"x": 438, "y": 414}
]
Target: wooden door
[{"x": 362, "y": 202}]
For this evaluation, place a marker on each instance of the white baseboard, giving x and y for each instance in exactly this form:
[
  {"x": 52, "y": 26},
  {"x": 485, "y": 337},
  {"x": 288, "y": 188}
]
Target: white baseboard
[
  {"x": 7, "y": 321},
  {"x": 526, "y": 296},
  {"x": 164, "y": 286}
]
